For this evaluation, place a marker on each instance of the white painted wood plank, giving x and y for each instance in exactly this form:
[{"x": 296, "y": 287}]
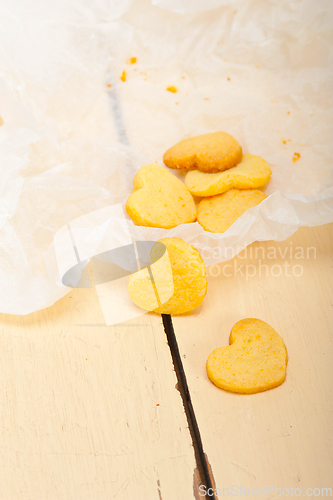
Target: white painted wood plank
[
  {"x": 282, "y": 437},
  {"x": 90, "y": 412}
]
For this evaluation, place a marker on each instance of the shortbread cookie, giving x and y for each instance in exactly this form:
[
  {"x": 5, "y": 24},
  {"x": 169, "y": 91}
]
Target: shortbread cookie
[
  {"x": 255, "y": 361},
  {"x": 217, "y": 213},
  {"x": 252, "y": 172},
  {"x": 175, "y": 282},
  {"x": 209, "y": 153},
  {"x": 159, "y": 199}
]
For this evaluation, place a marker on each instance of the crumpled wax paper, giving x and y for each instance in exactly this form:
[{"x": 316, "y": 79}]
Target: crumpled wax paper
[{"x": 78, "y": 120}]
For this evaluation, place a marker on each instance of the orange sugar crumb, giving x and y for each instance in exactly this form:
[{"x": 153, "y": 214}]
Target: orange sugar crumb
[
  {"x": 296, "y": 156},
  {"x": 157, "y": 404},
  {"x": 228, "y": 79},
  {"x": 172, "y": 89},
  {"x": 132, "y": 60},
  {"x": 288, "y": 112},
  {"x": 109, "y": 85},
  {"x": 206, "y": 98},
  {"x": 123, "y": 76},
  {"x": 284, "y": 141}
]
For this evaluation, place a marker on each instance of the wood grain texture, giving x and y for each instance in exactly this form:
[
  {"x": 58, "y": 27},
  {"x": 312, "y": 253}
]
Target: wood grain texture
[
  {"x": 90, "y": 412},
  {"x": 282, "y": 437}
]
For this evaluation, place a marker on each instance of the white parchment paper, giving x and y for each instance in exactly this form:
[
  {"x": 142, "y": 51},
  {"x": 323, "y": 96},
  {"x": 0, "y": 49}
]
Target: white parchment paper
[{"x": 73, "y": 133}]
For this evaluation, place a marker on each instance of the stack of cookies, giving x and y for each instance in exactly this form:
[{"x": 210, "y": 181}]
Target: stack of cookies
[{"x": 217, "y": 171}]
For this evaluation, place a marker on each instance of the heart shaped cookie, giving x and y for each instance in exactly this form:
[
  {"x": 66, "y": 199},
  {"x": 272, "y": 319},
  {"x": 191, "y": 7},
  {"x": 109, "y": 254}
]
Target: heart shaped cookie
[
  {"x": 217, "y": 213},
  {"x": 252, "y": 172},
  {"x": 255, "y": 361},
  {"x": 209, "y": 153},
  {"x": 159, "y": 199},
  {"x": 174, "y": 283}
]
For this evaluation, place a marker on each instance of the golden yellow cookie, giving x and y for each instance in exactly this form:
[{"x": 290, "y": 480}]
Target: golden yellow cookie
[
  {"x": 159, "y": 199},
  {"x": 174, "y": 283},
  {"x": 255, "y": 361},
  {"x": 217, "y": 213},
  {"x": 209, "y": 153},
  {"x": 251, "y": 172}
]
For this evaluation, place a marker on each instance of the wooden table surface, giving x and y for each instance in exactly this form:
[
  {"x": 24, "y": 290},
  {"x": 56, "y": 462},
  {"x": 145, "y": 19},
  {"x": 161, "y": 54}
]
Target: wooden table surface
[{"x": 94, "y": 412}]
